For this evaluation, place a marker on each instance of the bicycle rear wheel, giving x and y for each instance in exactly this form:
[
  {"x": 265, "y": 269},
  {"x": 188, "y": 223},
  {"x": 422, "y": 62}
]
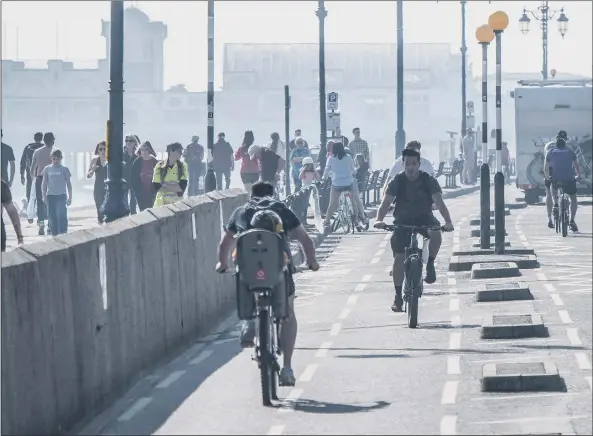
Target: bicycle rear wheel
[
  {"x": 413, "y": 281},
  {"x": 265, "y": 358},
  {"x": 564, "y": 215}
]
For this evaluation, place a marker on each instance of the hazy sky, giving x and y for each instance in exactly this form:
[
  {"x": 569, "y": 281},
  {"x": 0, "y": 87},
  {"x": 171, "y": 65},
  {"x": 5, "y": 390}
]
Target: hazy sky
[{"x": 72, "y": 30}]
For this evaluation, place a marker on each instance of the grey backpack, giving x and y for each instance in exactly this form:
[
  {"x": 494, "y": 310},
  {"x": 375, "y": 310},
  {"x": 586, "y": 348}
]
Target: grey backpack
[{"x": 260, "y": 258}]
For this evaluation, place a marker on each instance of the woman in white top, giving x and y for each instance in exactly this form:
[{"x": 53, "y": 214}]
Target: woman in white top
[{"x": 340, "y": 167}]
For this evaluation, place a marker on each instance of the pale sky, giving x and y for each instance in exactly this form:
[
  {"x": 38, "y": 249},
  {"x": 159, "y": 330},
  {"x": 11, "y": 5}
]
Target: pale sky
[{"x": 72, "y": 30}]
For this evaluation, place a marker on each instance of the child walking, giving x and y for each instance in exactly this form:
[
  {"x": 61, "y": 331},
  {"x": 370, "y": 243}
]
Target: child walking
[
  {"x": 56, "y": 188},
  {"x": 308, "y": 174}
]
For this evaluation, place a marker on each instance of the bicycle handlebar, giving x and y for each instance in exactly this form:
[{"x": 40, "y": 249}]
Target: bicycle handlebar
[
  {"x": 297, "y": 269},
  {"x": 393, "y": 227}
]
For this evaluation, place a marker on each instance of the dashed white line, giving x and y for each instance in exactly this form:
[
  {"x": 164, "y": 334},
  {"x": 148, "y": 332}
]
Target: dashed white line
[
  {"x": 557, "y": 299},
  {"x": 455, "y": 341},
  {"x": 308, "y": 373},
  {"x": 375, "y": 260},
  {"x": 352, "y": 299},
  {"x": 573, "y": 336},
  {"x": 336, "y": 327},
  {"x": 173, "y": 377},
  {"x": 549, "y": 287},
  {"x": 140, "y": 404},
  {"x": 323, "y": 349},
  {"x": 542, "y": 277},
  {"x": 451, "y": 281},
  {"x": 379, "y": 253},
  {"x": 583, "y": 360},
  {"x": 448, "y": 425},
  {"x": 382, "y": 244},
  {"x": 387, "y": 237},
  {"x": 344, "y": 313},
  {"x": 565, "y": 317},
  {"x": 450, "y": 392},
  {"x": 590, "y": 381},
  {"x": 276, "y": 430},
  {"x": 201, "y": 357},
  {"x": 366, "y": 278},
  {"x": 360, "y": 287},
  {"x": 454, "y": 304},
  {"x": 453, "y": 365},
  {"x": 291, "y": 398}
]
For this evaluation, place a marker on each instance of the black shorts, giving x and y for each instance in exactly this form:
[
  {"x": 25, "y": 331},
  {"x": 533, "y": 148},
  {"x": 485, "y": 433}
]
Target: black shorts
[
  {"x": 249, "y": 177},
  {"x": 568, "y": 186},
  {"x": 400, "y": 239},
  {"x": 342, "y": 188}
]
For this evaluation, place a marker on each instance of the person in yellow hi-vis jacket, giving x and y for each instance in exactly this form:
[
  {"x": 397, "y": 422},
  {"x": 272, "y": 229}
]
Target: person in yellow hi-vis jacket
[{"x": 170, "y": 176}]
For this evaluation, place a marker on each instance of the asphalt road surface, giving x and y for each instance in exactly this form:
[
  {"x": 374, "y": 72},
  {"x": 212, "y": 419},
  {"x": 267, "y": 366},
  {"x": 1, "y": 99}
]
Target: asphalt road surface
[{"x": 360, "y": 370}]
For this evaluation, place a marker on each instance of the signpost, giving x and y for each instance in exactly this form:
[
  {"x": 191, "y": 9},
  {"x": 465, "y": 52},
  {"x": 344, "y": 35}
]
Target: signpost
[
  {"x": 333, "y": 121},
  {"x": 332, "y": 102}
]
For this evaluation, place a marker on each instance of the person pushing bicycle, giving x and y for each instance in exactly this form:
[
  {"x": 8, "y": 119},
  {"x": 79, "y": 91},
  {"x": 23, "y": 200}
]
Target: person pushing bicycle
[{"x": 414, "y": 193}]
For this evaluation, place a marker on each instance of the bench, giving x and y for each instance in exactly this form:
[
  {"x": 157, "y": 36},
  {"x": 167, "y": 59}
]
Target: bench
[{"x": 451, "y": 172}]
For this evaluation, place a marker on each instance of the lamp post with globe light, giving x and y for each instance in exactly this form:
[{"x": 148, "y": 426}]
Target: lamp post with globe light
[
  {"x": 543, "y": 14},
  {"x": 498, "y": 22},
  {"x": 484, "y": 35}
]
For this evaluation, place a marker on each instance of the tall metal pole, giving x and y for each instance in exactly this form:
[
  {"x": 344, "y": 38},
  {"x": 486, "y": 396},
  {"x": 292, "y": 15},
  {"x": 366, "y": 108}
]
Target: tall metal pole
[
  {"x": 463, "y": 71},
  {"x": 115, "y": 205},
  {"x": 400, "y": 134},
  {"x": 321, "y": 14},
  {"x": 499, "y": 176},
  {"x": 485, "y": 169},
  {"x": 287, "y": 139},
  {"x": 210, "y": 178},
  {"x": 544, "y": 23}
]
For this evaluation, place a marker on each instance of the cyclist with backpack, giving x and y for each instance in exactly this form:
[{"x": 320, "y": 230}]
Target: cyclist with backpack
[
  {"x": 414, "y": 193},
  {"x": 278, "y": 218}
]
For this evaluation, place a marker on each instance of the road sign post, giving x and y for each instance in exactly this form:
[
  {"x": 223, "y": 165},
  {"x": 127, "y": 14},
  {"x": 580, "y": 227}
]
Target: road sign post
[
  {"x": 332, "y": 102},
  {"x": 333, "y": 121}
]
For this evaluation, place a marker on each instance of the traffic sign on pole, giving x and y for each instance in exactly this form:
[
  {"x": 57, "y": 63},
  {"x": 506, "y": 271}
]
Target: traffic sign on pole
[
  {"x": 332, "y": 101},
  {"x": 333, "y": 121}
]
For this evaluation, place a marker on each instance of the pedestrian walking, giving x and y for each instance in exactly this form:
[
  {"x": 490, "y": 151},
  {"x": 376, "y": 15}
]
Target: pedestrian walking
[
  {"x": 296, "y": 159},
  {"x": 13, "y": 214},
  {"x": 7, "y": 157},
  {"x": 222, "y": 161},
  {"x": 170, "y": 177},
  {"x": 57, "y": 193},
  {"x": 131, "y": 145},
  {"x": 41, "y": 159},
  {"x": 26, "y": 160},
  {"x": 194, "y": 158},
  {"x": 142, "y": 174},
  {"x": 98, "y": 168},
  {"x": 249, "y": 167}
]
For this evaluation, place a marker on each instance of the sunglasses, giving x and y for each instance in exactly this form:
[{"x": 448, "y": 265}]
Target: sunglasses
[{"x": 102, "y": 149}]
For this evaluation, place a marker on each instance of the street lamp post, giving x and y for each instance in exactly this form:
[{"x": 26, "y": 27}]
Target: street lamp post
[
  {"x": 498, "y": 22},
  {"x": 210, "y": 177},
  {"x": 321, "y": 14},
  {"x": 484, "y": 35},
  {"x": 115, "y": 205},
  {"x": 400, "y": 134},
  {"x": 463, "y": 71},
  {"x": 545, "y": 15}
]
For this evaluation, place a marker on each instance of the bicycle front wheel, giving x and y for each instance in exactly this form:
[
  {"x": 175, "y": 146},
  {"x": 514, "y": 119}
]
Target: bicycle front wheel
[
  {"x": 413, "y": 284},
  {"x": 265, "y": 358},
  {"x": 564, "y": 216}
]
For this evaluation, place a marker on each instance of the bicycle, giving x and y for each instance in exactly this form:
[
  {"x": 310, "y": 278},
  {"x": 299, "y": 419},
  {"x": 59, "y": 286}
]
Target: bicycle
[
  {"x": 346, "y": 218},
  {"x": 561, "y": 212},
  {"x": 270, "y": 307},
  {"x": 414, "y": 263}
]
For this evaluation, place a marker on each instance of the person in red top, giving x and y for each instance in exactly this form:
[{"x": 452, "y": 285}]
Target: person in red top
[
  {"x": 141, "y": 176},
  {"x": 249, "y": 167}
]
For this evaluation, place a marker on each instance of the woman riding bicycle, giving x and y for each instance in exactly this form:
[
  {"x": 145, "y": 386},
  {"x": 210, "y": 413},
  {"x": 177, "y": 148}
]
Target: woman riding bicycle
[{"x": 340, "y": 167}]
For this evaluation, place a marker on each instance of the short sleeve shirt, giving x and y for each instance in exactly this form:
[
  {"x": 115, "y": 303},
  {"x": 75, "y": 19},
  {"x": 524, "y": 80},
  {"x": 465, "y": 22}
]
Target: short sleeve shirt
[
  {"x": 241, "y": 218},
  {"x": 415, "y": 196},
  {"x": 7, "y": 156},
  {"x": 56, "y": 178}
]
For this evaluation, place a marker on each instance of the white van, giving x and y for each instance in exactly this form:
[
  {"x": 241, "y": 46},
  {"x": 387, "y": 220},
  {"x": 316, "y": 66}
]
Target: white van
[{"x": 542, "y": 108}]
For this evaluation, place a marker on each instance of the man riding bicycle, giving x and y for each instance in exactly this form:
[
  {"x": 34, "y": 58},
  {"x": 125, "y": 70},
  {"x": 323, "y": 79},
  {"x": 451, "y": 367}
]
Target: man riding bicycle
[
  {"x": 549, "y": 146},
  {"x": 280, "y": 216},
  {"x": 560, "y": 167},
  {"x": 414, "y": 192}
]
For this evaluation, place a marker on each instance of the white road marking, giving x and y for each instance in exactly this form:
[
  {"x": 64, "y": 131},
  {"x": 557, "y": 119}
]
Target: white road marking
[
  {"x": 366, "y": 278},
  {"x": 455, "y": 341},
  {"x": 450, "y": 392},
  {"x": 453, "y": 365},
  {"x": 523, "y": 238},
  {"x": 379, "y": 253},
  {"x": 573, "y": 336},
  {"x": 453, "y": 291},
  {"x": 549, "y": 287},
  {"x": 336, "y": 327},
  {"x": 352, "y": 299},
  {"x": 456, "y": 321},
  {"x": 382, "y": 244},
  {"x": 583, "y": 360},
  {"x": 344, "y": 313},
  {"x": 449, "y": 425},
  {"x": 360, "y": 287},
  {"x": 308, "y": 373},
  {"x": 388, "y": 269},
  {"x": 276, "y": 430},
  {"x": 323, "y": 349},
  {"x": 387, "y": 237},
  {"x": 140, "y": 404},
  {"x": 590, "y": 381},
  {"x": 564, "y": 317},
  {"x": 451, "y": 281},
  {"x": 542, "y": 277},
  {"x": 375, "y": 260},
  {"x": 291, "y": 398},
  {"x": 454, "y": 304},
  {"x": 201, "y": 357},
  {"x": 173, "y": 377},
  {"x": 557, "y": 299},
  {"x": 566, "y": 418}
]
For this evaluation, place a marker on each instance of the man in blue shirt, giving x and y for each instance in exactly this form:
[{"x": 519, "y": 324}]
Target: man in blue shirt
[{"x": 560, "y": 167}]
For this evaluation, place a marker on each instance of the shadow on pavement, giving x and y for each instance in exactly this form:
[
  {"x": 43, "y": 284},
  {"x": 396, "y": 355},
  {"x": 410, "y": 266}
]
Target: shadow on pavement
[
  {"x": 312, "y": 406},
  {"x": 551, "y": 347},
  {"x": 433, "y": 350},
  {"x": 372, "y": 356}
]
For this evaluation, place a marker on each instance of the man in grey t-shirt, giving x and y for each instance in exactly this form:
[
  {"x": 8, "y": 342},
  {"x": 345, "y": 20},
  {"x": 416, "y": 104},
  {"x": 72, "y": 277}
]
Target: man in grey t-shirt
[{"x": 57, "y": 193}]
